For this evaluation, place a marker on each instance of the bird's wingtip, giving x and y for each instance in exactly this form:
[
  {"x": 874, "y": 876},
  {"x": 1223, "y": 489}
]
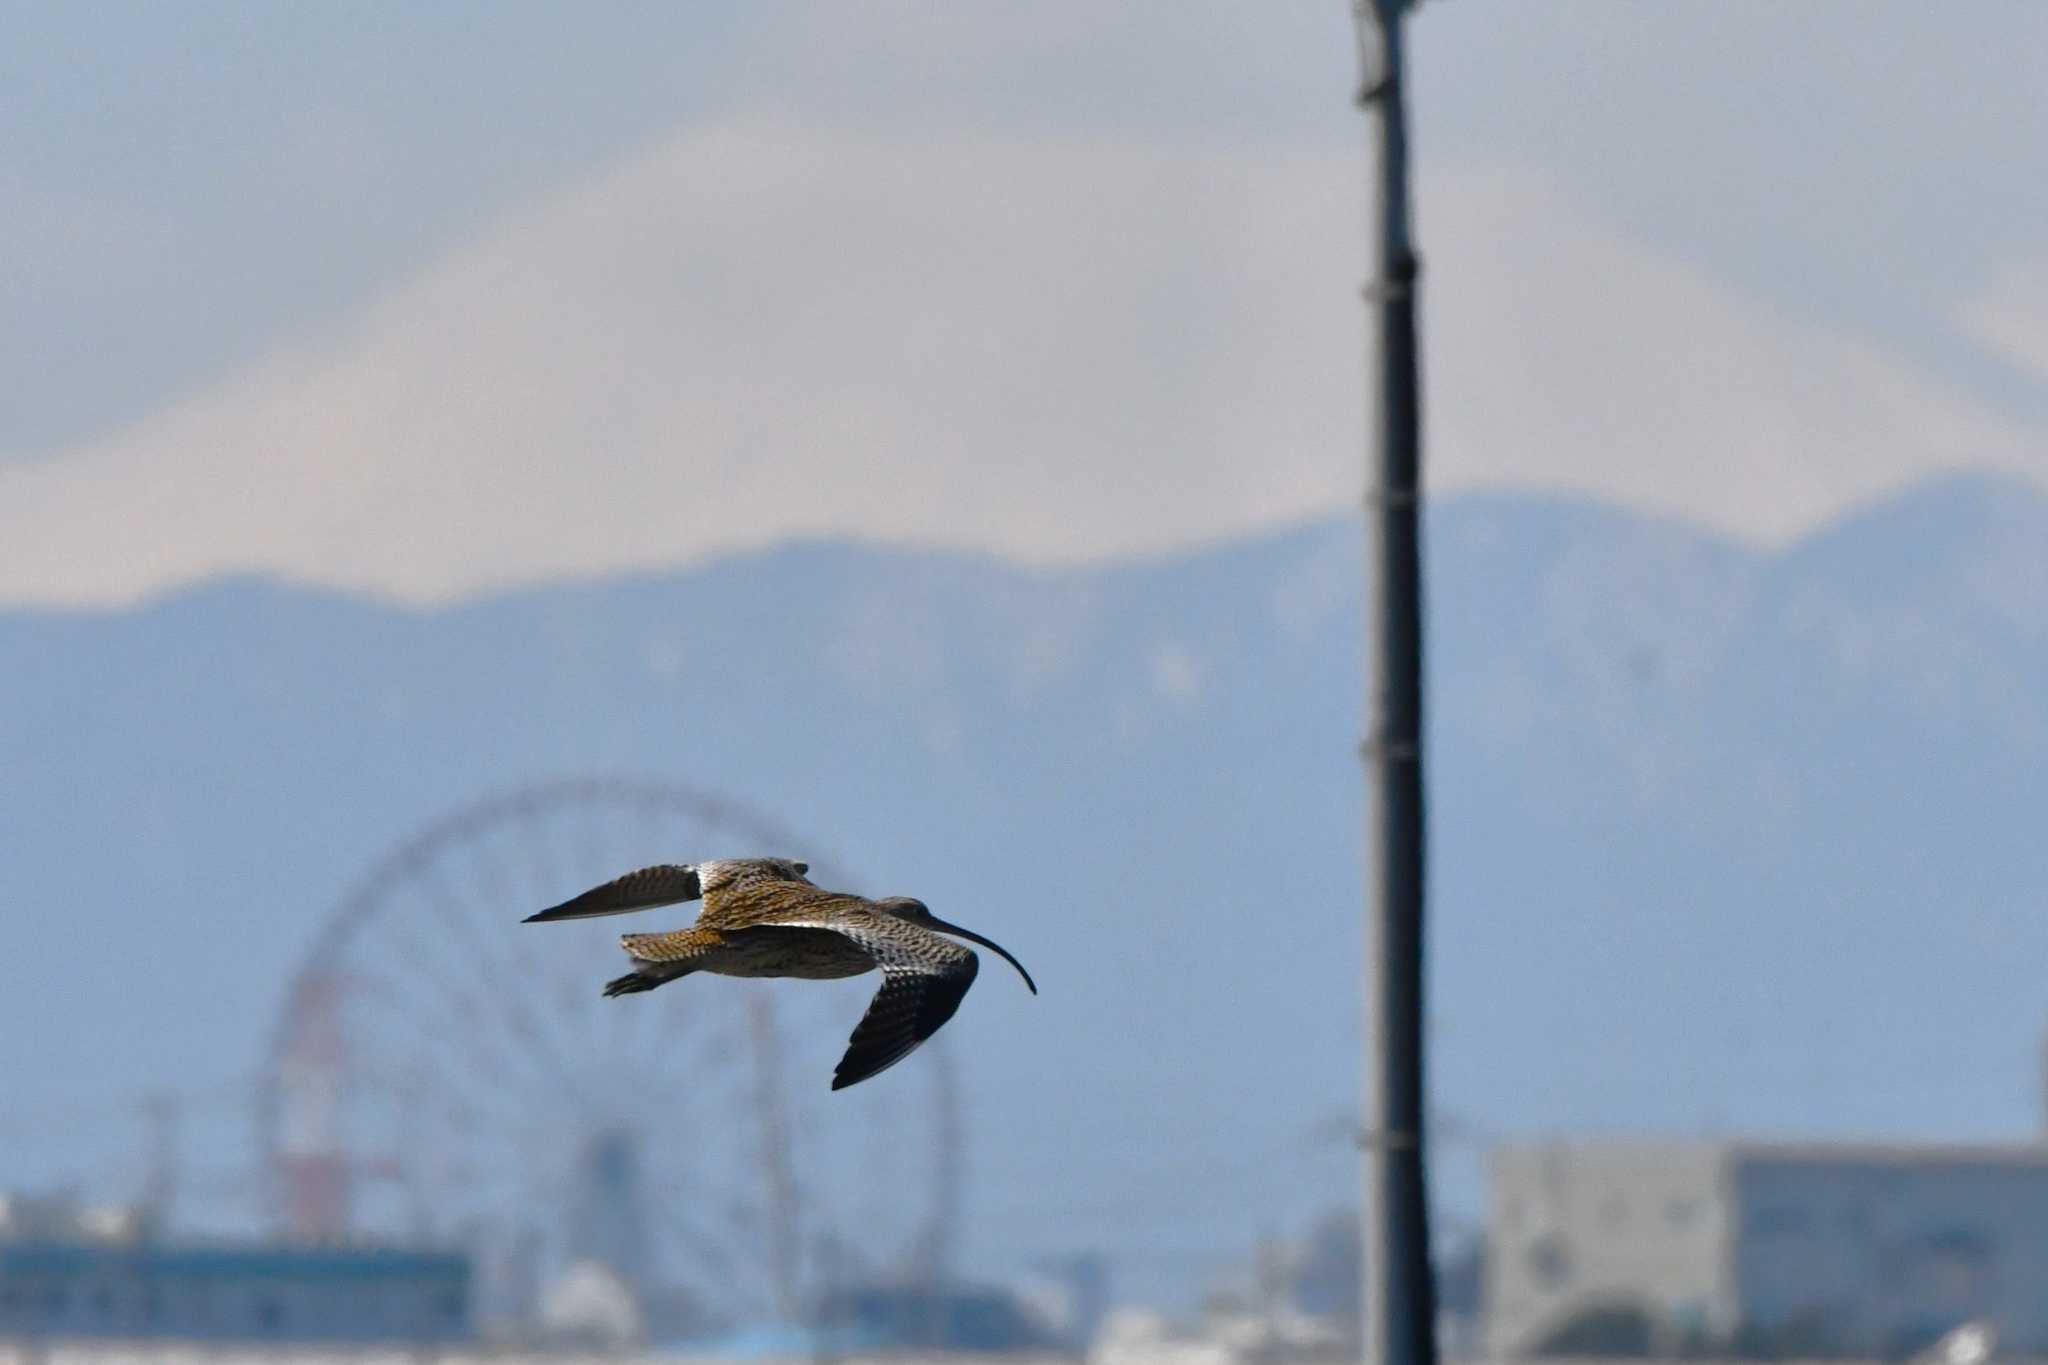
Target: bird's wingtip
[{"x": 566, "y": 910}]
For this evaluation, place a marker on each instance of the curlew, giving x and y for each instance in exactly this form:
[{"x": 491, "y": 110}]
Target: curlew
[{"x": 764, "y": 917}]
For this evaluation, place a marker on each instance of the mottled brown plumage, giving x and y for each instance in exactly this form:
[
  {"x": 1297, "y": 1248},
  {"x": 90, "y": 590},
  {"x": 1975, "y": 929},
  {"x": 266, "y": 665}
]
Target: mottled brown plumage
[{"x": 763, "y": 917}]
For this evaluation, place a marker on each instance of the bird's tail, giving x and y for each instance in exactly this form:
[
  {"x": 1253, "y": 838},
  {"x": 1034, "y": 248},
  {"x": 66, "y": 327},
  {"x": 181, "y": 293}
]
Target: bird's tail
[{"x": 659, "y": 958}]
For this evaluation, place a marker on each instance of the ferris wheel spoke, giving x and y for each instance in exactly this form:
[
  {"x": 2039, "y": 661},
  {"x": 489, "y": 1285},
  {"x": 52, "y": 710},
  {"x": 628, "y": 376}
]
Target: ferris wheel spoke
[
  {"x": 488, "y": 1047},
  {"x": 473, "y": 1064},
  {"x": 686, "y": 1024},
  {"x": 512, "y": 995},
  {"x": 540, "y": 970},
  {"x": 472, "y": 1080},
  {"x": 470, "y": 1121},
  {"x": 700, "y": 1249},
  {"x": 544, "y": 970},
  {"x": 699, "y": 1053},
  {"x": 415, "y": 951},
  {"x": 602, "y": 852},
  {"x": 447, "y": 970},
  {"x": 506, "y": 1000},
  {"x": 623, "y": 1031},
  {"x": 698, "y": 1118},
  {"x": 680, "y": 1204},
  {"x": 538, "y": 848},
  {"x": 435, "y": 1015},
  {"x": 652, "y": 841},
  {"x": 772, "y": 1145}
]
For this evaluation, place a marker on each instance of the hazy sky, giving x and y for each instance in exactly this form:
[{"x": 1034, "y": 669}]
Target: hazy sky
[{"x": 429, "y": 299}]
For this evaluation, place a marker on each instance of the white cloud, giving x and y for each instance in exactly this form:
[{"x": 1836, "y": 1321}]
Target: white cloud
[
  {"x": 1052, "y": 348},
  {"x": 2011, "y": 315}
]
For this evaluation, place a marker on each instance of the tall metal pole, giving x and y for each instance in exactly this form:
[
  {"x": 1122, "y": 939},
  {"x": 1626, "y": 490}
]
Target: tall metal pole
[{"x": 1400, "y": 1295}]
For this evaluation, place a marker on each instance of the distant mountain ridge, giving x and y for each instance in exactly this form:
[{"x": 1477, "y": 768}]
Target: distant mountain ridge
[{"x": 1720, "y": 837}]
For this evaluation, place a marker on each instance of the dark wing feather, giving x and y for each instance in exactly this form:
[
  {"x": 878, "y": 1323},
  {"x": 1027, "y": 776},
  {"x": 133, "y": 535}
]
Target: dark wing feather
[
  {"x": 668, "y": 884},
  {"x": 913, "y": 1002}
]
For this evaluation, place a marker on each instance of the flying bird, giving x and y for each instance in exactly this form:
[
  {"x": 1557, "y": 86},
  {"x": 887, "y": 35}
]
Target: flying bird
[{"x": 764, "y": 917}]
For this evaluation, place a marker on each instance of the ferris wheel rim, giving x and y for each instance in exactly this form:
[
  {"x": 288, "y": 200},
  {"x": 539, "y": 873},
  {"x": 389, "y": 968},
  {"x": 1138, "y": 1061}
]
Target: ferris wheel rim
[
  {"x": 359, "y": 902},
  {"x": 417, "y": 869}
]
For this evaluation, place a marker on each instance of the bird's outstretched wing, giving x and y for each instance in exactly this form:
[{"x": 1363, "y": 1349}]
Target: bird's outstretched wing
[
  {"x": 913, "y": 1002},
  {"x": 671, "y": 884},
  {"x": 667, "y": 884},
  {"x": 924, "y": 978}
]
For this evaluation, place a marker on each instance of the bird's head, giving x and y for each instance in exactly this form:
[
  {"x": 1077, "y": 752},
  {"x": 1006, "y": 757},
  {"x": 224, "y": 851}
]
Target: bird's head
[{"x": 917, "y": 912}]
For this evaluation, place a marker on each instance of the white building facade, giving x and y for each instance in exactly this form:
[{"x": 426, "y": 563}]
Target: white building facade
[{"x": 1808, "y": 1249}]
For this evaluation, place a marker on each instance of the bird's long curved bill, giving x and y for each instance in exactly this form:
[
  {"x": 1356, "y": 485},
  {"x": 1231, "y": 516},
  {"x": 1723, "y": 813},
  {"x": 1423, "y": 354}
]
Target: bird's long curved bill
[{"x": 987, "y": 943}]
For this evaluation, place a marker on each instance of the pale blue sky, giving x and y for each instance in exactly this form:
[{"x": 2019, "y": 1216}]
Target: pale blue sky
[{"x": 193, "y": 183}]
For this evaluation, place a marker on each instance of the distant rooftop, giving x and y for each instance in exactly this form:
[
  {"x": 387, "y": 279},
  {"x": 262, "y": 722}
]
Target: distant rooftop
[{"x": 1892, "y": 1152}]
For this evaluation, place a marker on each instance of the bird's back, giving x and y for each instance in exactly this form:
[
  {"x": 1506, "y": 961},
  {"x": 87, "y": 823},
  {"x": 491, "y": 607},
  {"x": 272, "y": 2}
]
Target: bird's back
[
  {"x": 753, "y": 901},
  {"x": 890, "y": 941}
]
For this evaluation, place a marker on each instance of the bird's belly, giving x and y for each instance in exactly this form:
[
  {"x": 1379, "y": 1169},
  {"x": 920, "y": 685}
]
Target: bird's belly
[{"x": 815, "y": 954}]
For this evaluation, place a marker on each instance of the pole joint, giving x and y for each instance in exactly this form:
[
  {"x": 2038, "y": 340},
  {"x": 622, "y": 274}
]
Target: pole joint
[
  {"x": 1397, "y": 281},
  {"x": 1384, "y": 750},
  {"x": 1389, "y": 1140}
]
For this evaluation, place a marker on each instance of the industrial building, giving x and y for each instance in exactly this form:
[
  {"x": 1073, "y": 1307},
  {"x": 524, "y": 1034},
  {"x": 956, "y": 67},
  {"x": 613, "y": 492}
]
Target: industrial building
[
  {"x": 1772, "y": 1248},
  {"x": 70, "y": 1273}
]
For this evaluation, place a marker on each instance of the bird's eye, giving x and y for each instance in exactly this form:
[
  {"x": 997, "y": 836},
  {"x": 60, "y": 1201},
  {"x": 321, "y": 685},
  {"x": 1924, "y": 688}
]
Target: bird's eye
[{"x": 801, "y": 868}]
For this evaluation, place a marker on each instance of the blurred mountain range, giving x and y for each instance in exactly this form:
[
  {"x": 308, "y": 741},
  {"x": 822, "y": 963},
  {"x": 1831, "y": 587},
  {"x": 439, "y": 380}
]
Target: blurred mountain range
[{"x": 1722, "y": 838}]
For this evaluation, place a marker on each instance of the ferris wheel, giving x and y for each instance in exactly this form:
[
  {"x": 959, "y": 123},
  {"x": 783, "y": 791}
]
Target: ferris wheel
[{"x": 442, "y": 1074}]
